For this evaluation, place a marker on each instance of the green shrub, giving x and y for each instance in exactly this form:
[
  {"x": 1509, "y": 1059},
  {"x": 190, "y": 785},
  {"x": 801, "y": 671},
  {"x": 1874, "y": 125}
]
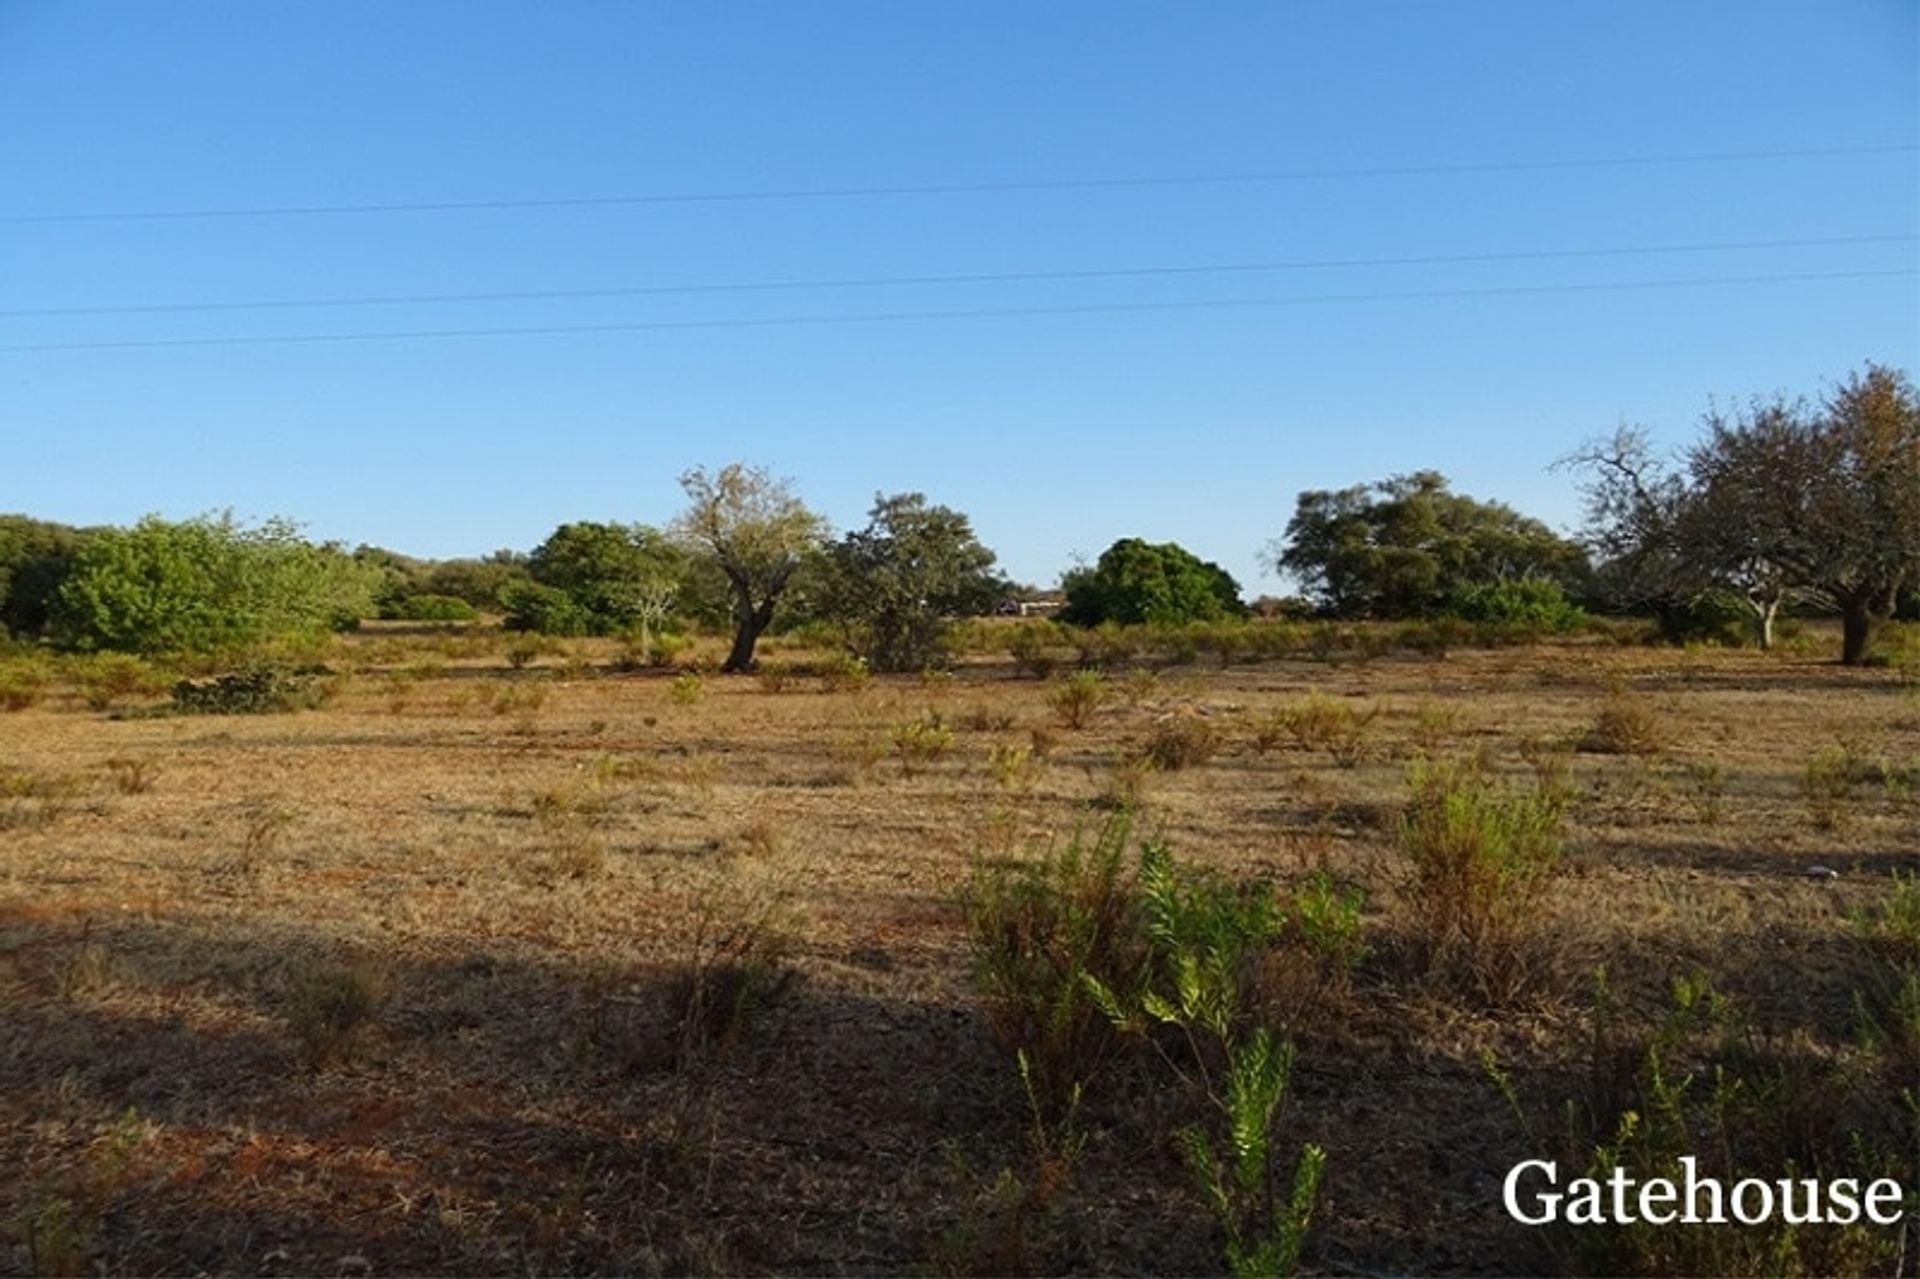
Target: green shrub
[
  {"x": 432, "y": 608},
  {"x": 1531, "y": 604},
  {"x": 105, "y": 678},
  {"x": 544, "y": 610},
  {"x": 1040, "y": 929},
  {"x": 207, "y": 585},
  {"x": 1182, "y": 741},
  {"x": 1482, "y": 856},
  {"x": 1075, "y": 698},
  {"x": 1207, "y": 938}
]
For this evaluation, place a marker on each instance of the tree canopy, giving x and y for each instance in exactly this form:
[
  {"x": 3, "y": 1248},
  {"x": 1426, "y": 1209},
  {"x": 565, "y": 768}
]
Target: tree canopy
[
  {"x": 1408, "y": 547},
  {"x": 751, "y": 527},
  {"x": 206, "y": 584},
  {"x": 895, "y": 583},
  {"x": 1162, "y": 584},
  {"x": 1780, "y": 499}
]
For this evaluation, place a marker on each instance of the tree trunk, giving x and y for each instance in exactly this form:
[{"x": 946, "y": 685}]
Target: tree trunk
[
  {"x": 750, "y": 622},
  {"x": 1858, "y": 621},
  {"x": 1768, "y": 610}
]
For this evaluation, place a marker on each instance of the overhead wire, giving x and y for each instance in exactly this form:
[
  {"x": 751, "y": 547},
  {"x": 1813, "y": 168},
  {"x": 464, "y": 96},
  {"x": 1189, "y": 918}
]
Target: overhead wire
[
  {"x": 952, "y": 188},
  {"x": 984, "y": 277},
  {"x": 951, "y": 314}
]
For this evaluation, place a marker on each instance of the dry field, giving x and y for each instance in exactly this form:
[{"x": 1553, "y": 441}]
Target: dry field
[{"x": 440, "y": 976}]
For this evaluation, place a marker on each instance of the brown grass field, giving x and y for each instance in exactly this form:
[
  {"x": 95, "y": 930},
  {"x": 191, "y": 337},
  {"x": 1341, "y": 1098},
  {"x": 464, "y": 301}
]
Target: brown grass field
[{"x": 520, "y": 872}]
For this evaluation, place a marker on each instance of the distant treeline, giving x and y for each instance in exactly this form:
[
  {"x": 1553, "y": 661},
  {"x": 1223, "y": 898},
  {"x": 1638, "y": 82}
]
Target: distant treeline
[{"x": 1783, "y": 506}]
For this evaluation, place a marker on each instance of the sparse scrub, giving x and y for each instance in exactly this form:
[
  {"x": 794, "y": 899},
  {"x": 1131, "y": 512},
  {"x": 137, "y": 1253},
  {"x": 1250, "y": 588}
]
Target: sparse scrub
[
  {"x": 331, "y": 1006},
  {"x": 1014, "y": 768},
  {"x": 1627, "y": 725},
  {"x": 921, "y": 741},
  {"x": 1319, "y": 722},
  {"x": 1207, "y": 938},
  {"x": 687, "y": 689},
  {"x": 1075, "y": 698},
  {"x": 105, "y": 678},
  {"x": 1182, "y": 741},
  {"x": 1482, "y": 856},
  {"x": 32, "y": 798},
  {"x": 845, "y": 674},
  {"x": 1041, "y": 927}
]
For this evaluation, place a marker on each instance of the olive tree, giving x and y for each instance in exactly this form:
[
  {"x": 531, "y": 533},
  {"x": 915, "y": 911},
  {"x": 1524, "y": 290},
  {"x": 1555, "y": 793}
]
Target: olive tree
[
  {"x": 895, "y": 583},
  {"x": 757, "y": 533}
]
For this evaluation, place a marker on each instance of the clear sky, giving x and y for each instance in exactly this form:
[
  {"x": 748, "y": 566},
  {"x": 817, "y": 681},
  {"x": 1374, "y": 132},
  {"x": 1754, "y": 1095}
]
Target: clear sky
[{"x": 1453, "y": 130}]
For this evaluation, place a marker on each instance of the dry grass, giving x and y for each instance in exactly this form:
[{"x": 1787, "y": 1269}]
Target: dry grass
[{"x": 803, "y": 1106}]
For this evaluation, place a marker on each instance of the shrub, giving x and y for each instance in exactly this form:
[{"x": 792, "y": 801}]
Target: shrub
[
  {"x": 207, "y": 585},
  {"x": 1532, "y": 604},
  {"x": 845, "y": 674},
  {"x": 734, "y": 965},
  {"x": 1040, "y": 929},
  {"x": 1481, "y": 856},
  {"x": 1704, "y": 1083},
  {"x": 1317, "y": 721},
  {"x": 545, "y": 610},
  {"x": 1182, "y": 741},
  {"x": 1207, "y": 938},
  {"x": 1075, "y": 698},
  {"x": 105, "y": 678},
  {"x": 921, "y": 740},
  {"x": 23, "y": 681},
  {"x": 1030, "y": 647},
  {"x": 1627, "y": 725},
  {"x": 262, "y": 688},
  {"x": 330, "y": 1006},
  {"x": 687, "y": 688},
  {"x": 432, "y": 608}
]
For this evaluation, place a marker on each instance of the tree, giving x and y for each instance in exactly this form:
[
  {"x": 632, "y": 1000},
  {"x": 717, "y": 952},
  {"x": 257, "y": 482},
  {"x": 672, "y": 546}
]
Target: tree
[
  {"x": 895, "y": 583},
  {"x": 751, "y": 527},
  {"x": 1407, "y": 546},
  {"x": 617, "y": 576},
  {"x": 35, "y": 558},
  {"x": 1823, "y": 499},
  {"x": 1779, "y": 500},
  {"x": 207, "y": 584},
  {"x": 1136, "y": 581}
]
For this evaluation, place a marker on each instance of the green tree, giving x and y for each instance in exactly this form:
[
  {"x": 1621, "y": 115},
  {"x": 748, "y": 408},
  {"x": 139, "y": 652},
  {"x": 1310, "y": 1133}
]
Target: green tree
[
  {"x": 207, "y": 584},
  {"x": 895, "y": 583},
  {"x": 1405, "y": 546},
  {"x": 35, "y": 558},
  {"x": 757, "y": 533},
  {"x": 1162, "y": 584},
  {"x": 616, "y": 575}
]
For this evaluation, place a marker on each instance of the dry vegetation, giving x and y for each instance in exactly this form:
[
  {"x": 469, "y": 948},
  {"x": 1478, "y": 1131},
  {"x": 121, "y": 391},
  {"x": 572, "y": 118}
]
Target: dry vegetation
[{"x": 515, "y": 958}]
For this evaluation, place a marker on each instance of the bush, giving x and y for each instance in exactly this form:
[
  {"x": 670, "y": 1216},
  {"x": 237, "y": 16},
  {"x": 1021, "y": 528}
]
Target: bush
[
  {"x": 544, "y": 610},
  {"x": 261, "y": 689},
  {"x": 1704, "y": 1083},
  {"x": 1482, "y": 856},
  {"x": 1075, "y": 698},
  {"x": 432, "y": 608},
  {"x": 207, "y": 585},
  {"x": 106, "y": 678},
  {"x": 1040, "y": 928},
  {"x": 1533, "y": 604},
  {"x": 330, "y": 1006},
  {"x": 1182, "y": 741},
  {"x": 1627, "y": 725}
]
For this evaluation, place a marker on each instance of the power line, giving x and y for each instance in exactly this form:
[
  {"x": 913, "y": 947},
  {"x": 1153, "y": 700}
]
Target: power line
[
  {"x": 893, "y": 281},
  {"x": 991, "y": 313},
  {"x": 957, "y": 188}
]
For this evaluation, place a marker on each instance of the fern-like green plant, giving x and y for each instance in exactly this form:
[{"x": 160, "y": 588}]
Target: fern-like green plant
[{"x": 1205, "y": 937}]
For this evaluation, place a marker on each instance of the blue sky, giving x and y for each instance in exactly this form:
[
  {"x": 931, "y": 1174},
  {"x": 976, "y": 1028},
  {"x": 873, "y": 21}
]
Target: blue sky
[{"x": 1056, "y": 432}]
